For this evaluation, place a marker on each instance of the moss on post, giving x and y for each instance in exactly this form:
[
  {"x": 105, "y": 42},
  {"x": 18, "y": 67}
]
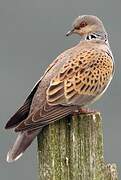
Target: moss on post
[{"x": 72, "y": 149}]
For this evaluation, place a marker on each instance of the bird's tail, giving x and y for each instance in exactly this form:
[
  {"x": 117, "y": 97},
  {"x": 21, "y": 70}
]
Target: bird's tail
[{"x": 22, "y": 142}]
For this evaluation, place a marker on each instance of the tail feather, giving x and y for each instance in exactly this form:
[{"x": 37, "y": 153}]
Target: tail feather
[{"x": 22, "y": 142}]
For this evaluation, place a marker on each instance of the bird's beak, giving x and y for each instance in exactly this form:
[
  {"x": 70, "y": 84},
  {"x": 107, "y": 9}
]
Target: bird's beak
[{"x": 70, "y": 32}]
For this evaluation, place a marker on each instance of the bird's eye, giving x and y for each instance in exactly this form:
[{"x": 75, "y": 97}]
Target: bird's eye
[{"x": 83, "y": 24}]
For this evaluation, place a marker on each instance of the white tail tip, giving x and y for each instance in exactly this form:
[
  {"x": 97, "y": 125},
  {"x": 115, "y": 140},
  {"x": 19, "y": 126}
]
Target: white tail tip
[{"x": 11, "y": 159}]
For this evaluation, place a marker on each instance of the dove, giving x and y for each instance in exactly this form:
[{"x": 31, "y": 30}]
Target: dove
[{"x": 76, "y": 78}]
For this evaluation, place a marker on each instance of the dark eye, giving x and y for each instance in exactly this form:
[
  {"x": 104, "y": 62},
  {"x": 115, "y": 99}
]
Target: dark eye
[
  {"x": 83, "y": 24},
  {"x": 80, "y": 25}
]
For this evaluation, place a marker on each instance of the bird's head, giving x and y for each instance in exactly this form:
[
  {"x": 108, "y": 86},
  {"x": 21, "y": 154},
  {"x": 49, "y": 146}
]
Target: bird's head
[{"x": 88, "y": 27}]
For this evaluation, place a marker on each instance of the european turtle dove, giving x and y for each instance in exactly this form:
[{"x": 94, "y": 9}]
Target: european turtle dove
[{"x": 76, "y": 78}]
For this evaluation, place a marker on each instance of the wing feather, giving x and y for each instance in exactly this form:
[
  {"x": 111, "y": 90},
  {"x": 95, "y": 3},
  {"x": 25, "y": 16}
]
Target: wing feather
[
  {"x": 85, "y": 74},
  {"x": 35, "y": 120},
  {"x": 23, "y": 112}
]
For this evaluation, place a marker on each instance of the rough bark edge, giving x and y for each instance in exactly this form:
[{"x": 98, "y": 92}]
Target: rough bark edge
[{"x": 111, "y": 172}]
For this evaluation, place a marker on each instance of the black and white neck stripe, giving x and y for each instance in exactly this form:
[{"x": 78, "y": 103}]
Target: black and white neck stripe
[{"x": 96, "y": 36}]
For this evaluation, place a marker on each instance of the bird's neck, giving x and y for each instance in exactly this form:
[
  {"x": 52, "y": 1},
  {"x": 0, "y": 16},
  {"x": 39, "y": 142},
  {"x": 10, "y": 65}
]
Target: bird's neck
[{"x": 95, "y": 36}]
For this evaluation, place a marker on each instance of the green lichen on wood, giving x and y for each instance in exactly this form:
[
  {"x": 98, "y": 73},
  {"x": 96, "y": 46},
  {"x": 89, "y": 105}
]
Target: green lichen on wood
[{"x": 72, "y": 149}]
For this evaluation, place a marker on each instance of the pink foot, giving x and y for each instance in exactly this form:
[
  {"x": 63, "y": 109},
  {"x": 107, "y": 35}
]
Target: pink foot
[
  {"x": 83, "y": 111},
  {"x": 87, "y": 111}
]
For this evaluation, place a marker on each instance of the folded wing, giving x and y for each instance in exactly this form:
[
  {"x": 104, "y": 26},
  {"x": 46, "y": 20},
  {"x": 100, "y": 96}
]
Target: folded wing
[{"x": 79, "y": 81}]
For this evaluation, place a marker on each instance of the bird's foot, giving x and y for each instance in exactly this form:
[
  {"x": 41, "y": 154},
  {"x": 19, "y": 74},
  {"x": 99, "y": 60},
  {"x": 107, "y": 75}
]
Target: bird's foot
[
  {"x": 87, "y": 111},
  {"x": 83, "y": 111}
]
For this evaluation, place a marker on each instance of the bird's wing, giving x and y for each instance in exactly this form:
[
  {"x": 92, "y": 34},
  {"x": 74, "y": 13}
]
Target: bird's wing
[
  {"x": 87, "y": 74},
  {"x": 23, "y": 111},
  {"x": 83, "y": 77}
]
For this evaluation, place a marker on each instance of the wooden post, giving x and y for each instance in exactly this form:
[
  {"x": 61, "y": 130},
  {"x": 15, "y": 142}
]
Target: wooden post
[{"x": 72, "y": 149}]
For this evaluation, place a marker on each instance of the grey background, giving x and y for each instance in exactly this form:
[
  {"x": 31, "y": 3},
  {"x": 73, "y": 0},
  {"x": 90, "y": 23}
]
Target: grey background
[{"x": 32, "y": 34}]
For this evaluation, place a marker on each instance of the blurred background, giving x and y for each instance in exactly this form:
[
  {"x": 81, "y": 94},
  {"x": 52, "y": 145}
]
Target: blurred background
[{"x": 32, "y": 34}]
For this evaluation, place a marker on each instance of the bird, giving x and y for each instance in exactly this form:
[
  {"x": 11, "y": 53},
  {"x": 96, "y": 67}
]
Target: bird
[{"x": 76, "y": 78}]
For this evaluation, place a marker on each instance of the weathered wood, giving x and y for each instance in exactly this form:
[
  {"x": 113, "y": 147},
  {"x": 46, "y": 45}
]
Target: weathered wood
[{"x": 72, "y": 149}]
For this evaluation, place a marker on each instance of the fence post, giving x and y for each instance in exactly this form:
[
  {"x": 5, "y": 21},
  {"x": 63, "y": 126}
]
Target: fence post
[{"x": 72, "y": 149}]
